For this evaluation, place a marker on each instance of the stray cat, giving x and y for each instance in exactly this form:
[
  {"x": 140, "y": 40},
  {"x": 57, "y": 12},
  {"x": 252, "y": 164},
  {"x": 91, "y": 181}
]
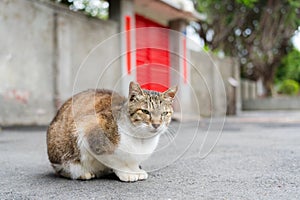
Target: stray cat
[{"x": 98, "y": 131}]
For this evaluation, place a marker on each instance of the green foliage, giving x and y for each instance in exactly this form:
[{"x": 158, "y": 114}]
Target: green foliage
[
  {"x": 289, "y": 87},
  {"x": 247, "y": 3},
  {"x": 295, "y": 3},
  {"x": 289, "y": 67},
  {"x": 206, "y": 48}
]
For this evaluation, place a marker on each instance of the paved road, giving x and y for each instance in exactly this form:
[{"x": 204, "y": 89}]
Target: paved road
[{"x": 257, "y": 157}]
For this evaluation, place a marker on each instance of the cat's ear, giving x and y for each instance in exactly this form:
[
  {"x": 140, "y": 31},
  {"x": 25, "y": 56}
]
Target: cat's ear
[
  {"x": 170, "y": 93},
  {"x": 134, "y": 90}
]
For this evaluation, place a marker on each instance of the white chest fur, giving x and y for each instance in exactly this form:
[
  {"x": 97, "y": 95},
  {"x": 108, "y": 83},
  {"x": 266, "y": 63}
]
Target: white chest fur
[
  {"x": 131, "y": 149},
  {"x": 135, "y": 142},
  {"x": 136, "y": 148}
]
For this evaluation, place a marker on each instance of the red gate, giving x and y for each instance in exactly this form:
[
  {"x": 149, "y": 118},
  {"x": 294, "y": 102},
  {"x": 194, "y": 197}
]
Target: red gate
[{"x": 152, "y": 55}]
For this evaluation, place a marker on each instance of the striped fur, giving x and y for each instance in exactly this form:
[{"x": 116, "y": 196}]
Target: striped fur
[{"x": 99, "y": 131}]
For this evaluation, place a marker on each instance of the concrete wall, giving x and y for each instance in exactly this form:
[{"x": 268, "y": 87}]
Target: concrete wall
[
  {"x": 85, "y": 53},
  {"x": 251, "y": 100},
  {"x": 211, "y": 79},
  {"x": 41, "y": 49},
  {"x": 249, "y": 90},
  {"x": 272, "y": 103},
  {"x": 26, "y": 69}
]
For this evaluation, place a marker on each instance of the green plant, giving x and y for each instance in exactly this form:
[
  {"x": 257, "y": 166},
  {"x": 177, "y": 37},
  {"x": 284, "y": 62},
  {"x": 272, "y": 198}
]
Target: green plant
[
  {"x": 289, "y": 87},
  {"x": 289, "y": 67}
]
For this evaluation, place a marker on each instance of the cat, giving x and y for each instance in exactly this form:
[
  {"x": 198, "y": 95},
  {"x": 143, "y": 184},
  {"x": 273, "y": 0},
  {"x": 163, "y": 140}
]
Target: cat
[{"x": 97, "y": 132}]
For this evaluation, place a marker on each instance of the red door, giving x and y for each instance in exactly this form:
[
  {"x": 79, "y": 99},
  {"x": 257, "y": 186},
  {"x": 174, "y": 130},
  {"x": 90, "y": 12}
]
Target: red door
[{"x": 152, "y": 55}]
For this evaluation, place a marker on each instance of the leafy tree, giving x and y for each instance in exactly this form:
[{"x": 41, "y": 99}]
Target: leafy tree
[
  {"x": 258, "y": 32},
  {"x": 289, "y": 67},
  {"x": 94, "y": 8}
]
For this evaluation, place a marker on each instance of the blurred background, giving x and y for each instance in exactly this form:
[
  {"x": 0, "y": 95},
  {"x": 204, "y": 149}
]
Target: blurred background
[{"x": 225, "y": 55}]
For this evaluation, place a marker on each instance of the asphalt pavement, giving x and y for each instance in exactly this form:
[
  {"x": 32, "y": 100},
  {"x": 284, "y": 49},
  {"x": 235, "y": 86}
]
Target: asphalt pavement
[{"x": 256, "y": 156}]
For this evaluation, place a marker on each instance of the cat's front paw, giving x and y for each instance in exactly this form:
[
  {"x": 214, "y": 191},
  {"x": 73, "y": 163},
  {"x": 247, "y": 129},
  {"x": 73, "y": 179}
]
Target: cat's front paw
[
  {"x": 143, "y": 175},
  {"x": 132, "y": 176},
  {"x": 87, "y": 176}
]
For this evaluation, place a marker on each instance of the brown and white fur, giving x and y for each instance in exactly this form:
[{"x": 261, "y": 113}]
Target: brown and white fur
[{"x": 99, "y": 131}]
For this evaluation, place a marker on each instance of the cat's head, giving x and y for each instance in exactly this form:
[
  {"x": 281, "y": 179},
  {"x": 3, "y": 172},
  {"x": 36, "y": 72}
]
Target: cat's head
[{"x": 150, "y": 111}]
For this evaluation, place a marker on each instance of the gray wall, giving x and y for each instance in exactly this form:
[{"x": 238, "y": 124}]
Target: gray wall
[
  {"x": 249, "y": 89},
  {"x": 41, "y": 49},
  {"x": 85, "y": 53},
  {"x": 272, "y": 103},
  {"x": 210, "y": 79}
]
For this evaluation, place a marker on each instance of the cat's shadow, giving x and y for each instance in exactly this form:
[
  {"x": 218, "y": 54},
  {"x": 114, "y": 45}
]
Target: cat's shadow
[{"x": 52, "y": 175}]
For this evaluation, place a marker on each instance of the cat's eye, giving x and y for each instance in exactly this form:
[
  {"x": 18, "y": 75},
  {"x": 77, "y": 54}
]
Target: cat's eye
[
  {"x": 164, "y": 113},
  {"x": 146, "y": 112}
]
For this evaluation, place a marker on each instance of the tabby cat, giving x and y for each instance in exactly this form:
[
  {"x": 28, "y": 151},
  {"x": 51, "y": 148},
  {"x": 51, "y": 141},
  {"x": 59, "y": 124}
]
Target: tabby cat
[{"x": 99, "y": 131}]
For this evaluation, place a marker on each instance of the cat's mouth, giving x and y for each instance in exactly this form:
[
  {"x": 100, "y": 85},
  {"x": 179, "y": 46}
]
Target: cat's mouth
[
  {"x": 147, "y": 135},
  {"x": 144, "y": 130},
  {"x": 151, "y": 133},
  {"x": 157, "y": 130}
]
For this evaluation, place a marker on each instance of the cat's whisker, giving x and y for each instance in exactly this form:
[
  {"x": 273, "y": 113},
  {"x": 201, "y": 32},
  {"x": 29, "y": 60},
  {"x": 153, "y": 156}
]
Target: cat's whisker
[
  {"x": 173, "y": 139},
  {"x": 169, "y": 137},
  {"x": 172, "y": 131}
]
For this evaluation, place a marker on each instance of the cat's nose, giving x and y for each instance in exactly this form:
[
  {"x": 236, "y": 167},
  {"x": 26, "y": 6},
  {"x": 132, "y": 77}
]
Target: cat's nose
[{"x": 155, "y": 125}]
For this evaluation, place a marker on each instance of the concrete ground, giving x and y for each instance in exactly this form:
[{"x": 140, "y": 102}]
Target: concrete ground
[{"x": 256, "y": 157}]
